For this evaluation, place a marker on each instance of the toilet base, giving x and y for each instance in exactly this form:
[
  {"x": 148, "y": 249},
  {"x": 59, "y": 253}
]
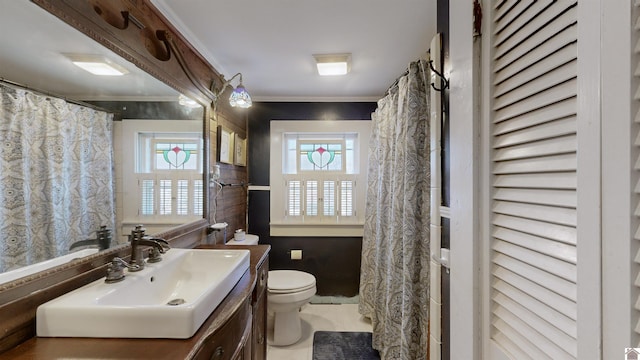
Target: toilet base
[{"x": 287, "y": 329}]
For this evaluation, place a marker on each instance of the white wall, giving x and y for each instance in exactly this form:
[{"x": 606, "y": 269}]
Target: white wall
[{"x": 464, "y": 295}]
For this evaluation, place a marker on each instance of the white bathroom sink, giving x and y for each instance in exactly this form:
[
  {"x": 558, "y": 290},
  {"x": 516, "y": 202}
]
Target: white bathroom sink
[{"x": 168, "y": 299}]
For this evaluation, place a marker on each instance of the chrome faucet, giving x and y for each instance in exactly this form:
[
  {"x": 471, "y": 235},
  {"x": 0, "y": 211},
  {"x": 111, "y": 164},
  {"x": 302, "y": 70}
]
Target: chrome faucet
[
  {"x": 103, "y": 240},
  {"x": 139, "y": 239}
]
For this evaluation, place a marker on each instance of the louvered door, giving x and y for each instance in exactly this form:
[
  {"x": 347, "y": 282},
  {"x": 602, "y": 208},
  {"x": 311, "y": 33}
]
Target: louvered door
[{"x": 533, "y": 234}]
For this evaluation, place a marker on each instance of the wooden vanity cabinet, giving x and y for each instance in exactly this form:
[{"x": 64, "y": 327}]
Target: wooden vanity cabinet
[
  {"x": 236, "y": 330},
  {"x": 259, "y": 300},
  {"x": 256, "y": 348},
  {"x": 231, "y": 341},
  {"x": 244, "y": 336}
]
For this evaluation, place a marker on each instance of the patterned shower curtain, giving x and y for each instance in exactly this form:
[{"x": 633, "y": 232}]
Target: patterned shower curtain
[
  {"x": 56, "y": 175},
  {"x": 394, "y": 281}
]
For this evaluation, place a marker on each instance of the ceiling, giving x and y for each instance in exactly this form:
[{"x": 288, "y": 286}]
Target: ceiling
[
  {"x": 33, "y": 43},
  {"x": 272, "y": 42}
]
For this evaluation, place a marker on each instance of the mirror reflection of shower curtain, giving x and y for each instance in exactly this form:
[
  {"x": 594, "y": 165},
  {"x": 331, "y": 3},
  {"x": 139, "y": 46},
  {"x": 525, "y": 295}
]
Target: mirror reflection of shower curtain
[
  {"x": 394, "y": 281},
  {"x": 56, "y": 178}
]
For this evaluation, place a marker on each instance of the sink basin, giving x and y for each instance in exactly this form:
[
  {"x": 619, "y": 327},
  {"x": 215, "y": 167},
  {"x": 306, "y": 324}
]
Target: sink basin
[{"x": 168, "y": 299}]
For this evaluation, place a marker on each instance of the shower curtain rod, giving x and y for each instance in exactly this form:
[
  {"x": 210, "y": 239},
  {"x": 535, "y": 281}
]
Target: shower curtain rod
[
  {"x": 395, "y": 83},
  {"x": 46, "y": 93},
  {"x": 406, "y": 72}
]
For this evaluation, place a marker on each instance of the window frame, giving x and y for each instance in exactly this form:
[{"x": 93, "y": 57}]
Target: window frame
[
  {"x": 133, "y": 172},
  {"x": 283, "y": 225}
]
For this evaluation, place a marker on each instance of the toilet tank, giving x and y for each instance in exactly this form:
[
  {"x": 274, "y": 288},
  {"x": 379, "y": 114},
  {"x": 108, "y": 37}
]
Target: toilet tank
[{"x": 249, "y": 239}]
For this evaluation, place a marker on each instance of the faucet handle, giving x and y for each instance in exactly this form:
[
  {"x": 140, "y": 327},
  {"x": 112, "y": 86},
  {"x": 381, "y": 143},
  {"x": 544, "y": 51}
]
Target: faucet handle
[
  {"x": 154, "y": 254},
  {"x": 158, "y": 246},
  {"x": 115, "y": 270},
  {"x": 137, "y": 233}
]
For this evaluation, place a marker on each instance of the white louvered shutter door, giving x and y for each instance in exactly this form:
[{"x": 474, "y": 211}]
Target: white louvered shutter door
[
  {"x": 533, "y": 254},
  {"x": 636, "y": 106}
]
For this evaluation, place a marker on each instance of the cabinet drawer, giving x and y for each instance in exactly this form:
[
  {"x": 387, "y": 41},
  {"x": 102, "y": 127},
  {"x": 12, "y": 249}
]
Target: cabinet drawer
[{"x": 229, "y": 339}]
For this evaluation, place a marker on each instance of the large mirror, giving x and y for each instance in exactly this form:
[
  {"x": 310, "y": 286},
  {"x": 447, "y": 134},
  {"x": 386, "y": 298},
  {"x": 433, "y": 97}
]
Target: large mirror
[{"x": 157, "y": 154}]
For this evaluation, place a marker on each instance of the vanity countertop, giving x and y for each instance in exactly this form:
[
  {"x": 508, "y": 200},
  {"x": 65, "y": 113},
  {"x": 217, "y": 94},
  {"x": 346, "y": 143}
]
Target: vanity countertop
[{"x": 90, "y": 348}]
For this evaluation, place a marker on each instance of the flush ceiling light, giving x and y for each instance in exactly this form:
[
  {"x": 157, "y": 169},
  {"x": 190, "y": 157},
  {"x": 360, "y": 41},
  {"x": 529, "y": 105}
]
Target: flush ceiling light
[
  {"x": 333, "y": 64},
  {"x": 97, "y": 64}
]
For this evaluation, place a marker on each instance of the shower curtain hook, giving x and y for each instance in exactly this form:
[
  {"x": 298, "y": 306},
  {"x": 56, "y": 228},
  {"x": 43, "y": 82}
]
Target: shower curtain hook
[{"x": 444, "y": 83}]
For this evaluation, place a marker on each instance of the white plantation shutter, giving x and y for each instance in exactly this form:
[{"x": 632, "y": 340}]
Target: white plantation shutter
[
  {"x": 294, "y": 198},
  {"x": 165, "y": 195},
  {"x": 636, "y": 37},
  {"x": 311, "y": 189},
  {"x": 147, "y": 196},
  {"x": 534, "y": 179},
  {"x": 321, "y": 199},
  {"x": 162, "y": 196},
  {"x": 346, "y": 198},
  {"x": 197, "y": 199},
  {"x": 329, "y": 198}
]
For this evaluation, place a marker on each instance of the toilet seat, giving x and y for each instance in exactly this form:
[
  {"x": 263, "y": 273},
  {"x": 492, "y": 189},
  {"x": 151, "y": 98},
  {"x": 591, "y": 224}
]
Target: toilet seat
[
  {"x": 289, "y": 281},
  {"x": 291, "y": 290}
]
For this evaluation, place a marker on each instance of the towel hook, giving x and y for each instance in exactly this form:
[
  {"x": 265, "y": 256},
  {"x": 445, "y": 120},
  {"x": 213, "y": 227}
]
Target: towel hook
[{"x": 444, "y": 83}]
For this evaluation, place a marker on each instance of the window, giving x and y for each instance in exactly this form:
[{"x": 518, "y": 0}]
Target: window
[
  {"x": 320, "y": 155},
  {"x": 318, "y": 166},
  {"x": 169, "y": 175},
  {"x": 164, "y": 185},
  {"x": 321, "y": 164}
]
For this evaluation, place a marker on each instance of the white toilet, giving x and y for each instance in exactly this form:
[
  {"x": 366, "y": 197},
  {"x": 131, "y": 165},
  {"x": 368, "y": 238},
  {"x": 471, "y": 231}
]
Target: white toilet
[{"x": 287, "y": 292}]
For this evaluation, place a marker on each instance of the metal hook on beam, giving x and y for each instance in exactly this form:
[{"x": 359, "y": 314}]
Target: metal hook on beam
[{"x": 444, "y": 83}]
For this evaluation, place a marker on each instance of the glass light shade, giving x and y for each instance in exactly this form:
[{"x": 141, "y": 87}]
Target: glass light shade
[
  {"x": 333, "y": 68},
  {"x": 240, "y": 98},
  {"x": 96, "y": 64},
  {"x": 333, "y": 64},
  {"x": 101, "y": 69}
]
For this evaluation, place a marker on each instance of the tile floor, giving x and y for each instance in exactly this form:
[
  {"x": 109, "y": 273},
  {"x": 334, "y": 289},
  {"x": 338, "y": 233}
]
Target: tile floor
[{"x": 331, "y": 317}]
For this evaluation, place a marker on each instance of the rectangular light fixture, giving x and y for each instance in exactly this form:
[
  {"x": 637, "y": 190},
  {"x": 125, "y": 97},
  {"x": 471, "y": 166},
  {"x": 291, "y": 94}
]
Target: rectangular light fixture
[
  {"x": 97, "y": 64},
  {"x": 333, "y": 64}
]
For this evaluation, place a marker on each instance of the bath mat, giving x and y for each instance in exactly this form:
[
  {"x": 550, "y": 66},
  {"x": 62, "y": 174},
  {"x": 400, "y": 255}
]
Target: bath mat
[
  {"x": 319, "y": 299},
  {"x": 343, "y": 345}
]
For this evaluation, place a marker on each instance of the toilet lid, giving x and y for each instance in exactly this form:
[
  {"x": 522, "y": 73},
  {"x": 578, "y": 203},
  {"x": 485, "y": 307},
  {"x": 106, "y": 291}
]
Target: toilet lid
[{"x": 289, "y": 281}]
